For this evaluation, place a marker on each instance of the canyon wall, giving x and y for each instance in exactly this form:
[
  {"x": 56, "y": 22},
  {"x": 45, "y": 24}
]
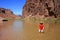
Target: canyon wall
[{"x": 37, "y": 8}]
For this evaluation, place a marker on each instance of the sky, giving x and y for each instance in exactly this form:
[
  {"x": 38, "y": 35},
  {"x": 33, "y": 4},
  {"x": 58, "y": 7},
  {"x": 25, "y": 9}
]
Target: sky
[{"x": 15, "y": 5}]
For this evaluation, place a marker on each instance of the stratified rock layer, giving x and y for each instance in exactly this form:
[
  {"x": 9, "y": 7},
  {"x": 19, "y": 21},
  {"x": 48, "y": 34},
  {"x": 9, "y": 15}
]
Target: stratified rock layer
[{"x": 48, "y": 8}]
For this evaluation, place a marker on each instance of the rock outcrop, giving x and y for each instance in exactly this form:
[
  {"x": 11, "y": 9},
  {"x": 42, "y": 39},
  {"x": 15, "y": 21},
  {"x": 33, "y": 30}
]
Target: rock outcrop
[
  {"x": 48, "y": 8},
  {"x": 6, "y": 13}
]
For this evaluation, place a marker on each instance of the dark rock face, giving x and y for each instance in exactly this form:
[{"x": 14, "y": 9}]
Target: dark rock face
[
  {"x": 48, "y": 8},
  {"x": 6, "y": 13}
]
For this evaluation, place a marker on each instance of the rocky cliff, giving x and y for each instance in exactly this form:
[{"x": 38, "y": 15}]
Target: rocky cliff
[
  {"x": 48, "y": 8},
  {"x": 6, "y": 13}
]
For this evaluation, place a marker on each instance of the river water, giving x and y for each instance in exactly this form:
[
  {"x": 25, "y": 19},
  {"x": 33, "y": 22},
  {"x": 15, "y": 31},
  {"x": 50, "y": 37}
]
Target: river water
[{"x": 19, "y": 30}]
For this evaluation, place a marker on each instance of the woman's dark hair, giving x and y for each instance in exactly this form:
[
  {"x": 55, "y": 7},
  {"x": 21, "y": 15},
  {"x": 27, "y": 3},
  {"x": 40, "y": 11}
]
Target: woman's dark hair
[{"x": 41, "y": 23}]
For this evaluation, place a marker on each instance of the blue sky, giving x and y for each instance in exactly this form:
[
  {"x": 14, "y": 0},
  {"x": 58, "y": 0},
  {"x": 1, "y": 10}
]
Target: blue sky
[{"x": 15, "y": 5}]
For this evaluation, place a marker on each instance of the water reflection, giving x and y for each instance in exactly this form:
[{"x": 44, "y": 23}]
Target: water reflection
[
  {"x": 11, "y": 30},
  {"x": 17, "y": 26}
]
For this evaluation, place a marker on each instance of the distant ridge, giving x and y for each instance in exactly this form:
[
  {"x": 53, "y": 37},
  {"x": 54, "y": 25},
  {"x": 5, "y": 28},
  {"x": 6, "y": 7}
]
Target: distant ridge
[{"x": 6, "y": 13}]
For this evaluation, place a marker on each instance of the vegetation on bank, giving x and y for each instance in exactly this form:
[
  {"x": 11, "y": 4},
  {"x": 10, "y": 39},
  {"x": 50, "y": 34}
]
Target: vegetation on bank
[{"x": 49, "y": 20}]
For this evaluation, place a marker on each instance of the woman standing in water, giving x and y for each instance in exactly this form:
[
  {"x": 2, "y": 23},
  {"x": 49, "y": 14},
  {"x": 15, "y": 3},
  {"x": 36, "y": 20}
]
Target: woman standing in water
[{"x": 41, "y": 27}]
